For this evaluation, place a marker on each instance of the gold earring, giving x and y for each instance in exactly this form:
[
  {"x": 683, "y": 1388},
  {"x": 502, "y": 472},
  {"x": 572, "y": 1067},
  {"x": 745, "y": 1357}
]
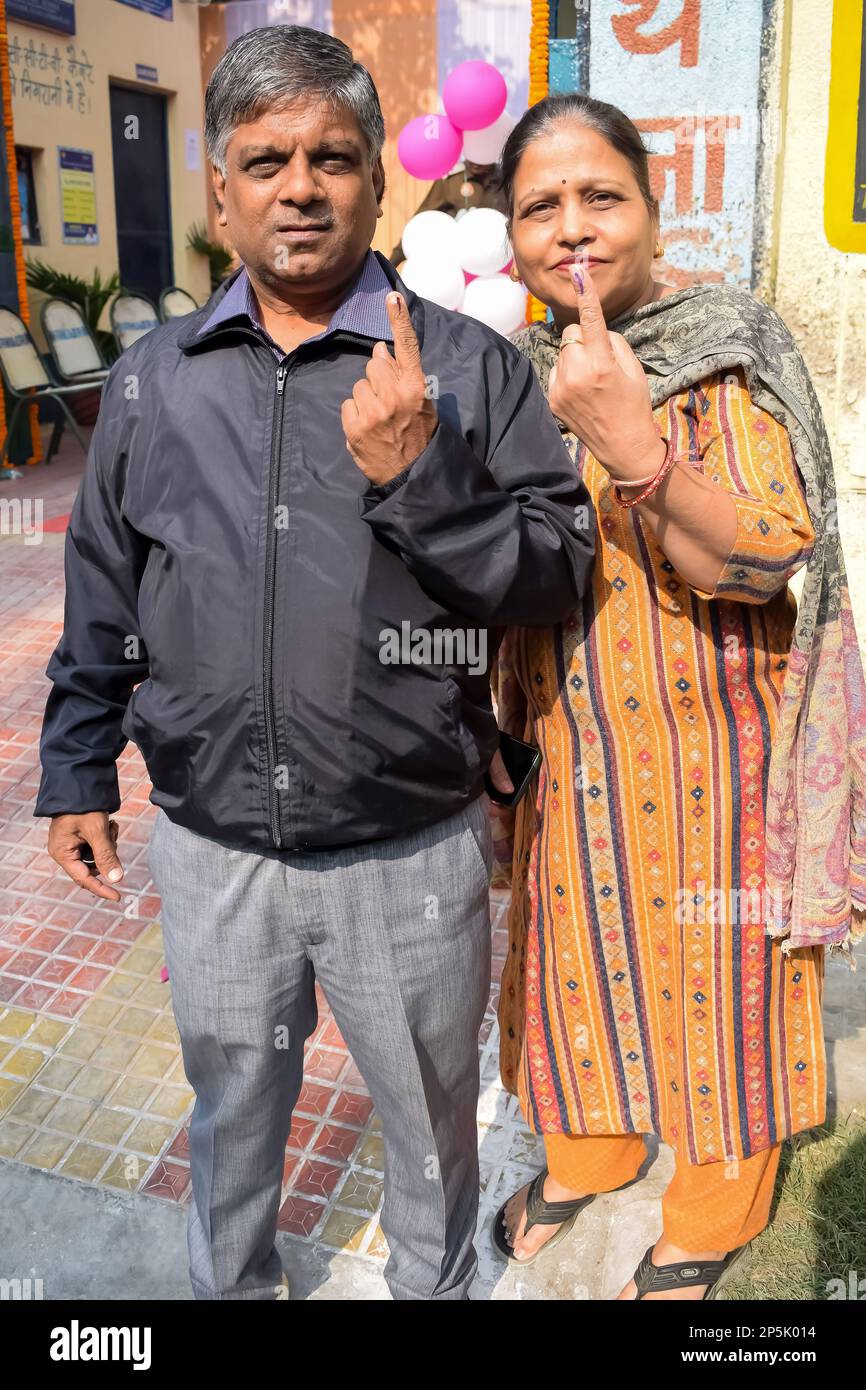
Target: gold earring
[
  {"x": 660, "y": 250},
  {"x": 514, "y": 273}
]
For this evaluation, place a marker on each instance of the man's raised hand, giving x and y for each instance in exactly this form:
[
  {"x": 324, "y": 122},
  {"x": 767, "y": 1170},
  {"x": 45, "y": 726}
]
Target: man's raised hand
[{"x": 390, "y": 419}]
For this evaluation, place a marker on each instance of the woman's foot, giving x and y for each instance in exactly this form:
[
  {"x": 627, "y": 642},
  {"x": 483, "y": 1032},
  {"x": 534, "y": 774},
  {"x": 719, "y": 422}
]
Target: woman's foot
[
  {"x": 666, "y": 1253},
  {"x": 515, "y": 1217}
]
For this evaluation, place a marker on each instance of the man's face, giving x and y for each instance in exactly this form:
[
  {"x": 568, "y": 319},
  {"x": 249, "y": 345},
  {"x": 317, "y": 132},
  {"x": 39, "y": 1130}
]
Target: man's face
[{"x": 300, "y": 197}]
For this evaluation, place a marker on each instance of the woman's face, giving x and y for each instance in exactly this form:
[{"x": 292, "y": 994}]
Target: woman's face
[{"x": 573, "y": 190}]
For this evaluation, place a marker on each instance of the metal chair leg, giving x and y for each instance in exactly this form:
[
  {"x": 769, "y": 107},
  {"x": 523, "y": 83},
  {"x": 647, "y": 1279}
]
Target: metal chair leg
[
  {"x": 54, "y": 441},
  {"x": 9, "y": 428},
  {"x": 72, "y": 421}
]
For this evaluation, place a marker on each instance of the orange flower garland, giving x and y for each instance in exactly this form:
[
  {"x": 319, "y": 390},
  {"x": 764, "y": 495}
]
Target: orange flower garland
[
  {"x": 15, "y": 210},
  {"x": 539, "y": 60},
  {"x": 539, "y": 52}
]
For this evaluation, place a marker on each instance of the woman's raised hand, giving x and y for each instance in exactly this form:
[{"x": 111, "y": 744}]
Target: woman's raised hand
[{"x": 598, "y": 388}]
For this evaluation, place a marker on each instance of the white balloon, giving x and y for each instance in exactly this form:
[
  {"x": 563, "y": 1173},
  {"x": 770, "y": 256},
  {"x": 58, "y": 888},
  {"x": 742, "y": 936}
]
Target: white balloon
[
  {"x": 497, "y": 301},
  {"x": 482, "y": 244},
  {"x": 485, "y": 146},
  {"x": 429, "y": 233},
  {"x": 438, "y": 278}
]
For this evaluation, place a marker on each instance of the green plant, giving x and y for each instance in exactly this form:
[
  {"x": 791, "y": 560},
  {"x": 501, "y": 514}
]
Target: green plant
[
  {"x": 218, "y": 257},
  {"x": 91, "y": 296}
]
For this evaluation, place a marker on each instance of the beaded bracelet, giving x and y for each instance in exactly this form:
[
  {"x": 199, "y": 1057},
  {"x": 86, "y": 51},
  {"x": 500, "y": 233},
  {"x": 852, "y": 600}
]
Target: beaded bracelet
[{"x": 655, "y": 481}]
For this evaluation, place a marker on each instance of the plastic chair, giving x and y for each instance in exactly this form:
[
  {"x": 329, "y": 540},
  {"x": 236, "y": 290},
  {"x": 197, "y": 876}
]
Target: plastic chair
[
  {"x": 131, "y": 317},
  {"x": 73, "y": 346},
  {"x": 26, "y": 380},
  {"x": 175, "y": 303}
]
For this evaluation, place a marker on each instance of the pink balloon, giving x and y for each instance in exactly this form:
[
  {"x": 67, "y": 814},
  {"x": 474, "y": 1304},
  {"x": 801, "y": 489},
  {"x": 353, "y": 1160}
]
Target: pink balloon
[
  {"x": 429, "y": 146},
  {"x": 474, "y": 95},
  {"x": 467, "y": 276}
]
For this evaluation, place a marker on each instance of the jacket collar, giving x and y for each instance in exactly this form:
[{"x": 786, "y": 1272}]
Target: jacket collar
[{"x": 200, "y": 332}]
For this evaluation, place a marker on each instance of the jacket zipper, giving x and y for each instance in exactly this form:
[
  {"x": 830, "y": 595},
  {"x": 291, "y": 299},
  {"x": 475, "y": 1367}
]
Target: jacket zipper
[{"x": 270, "y": 585}]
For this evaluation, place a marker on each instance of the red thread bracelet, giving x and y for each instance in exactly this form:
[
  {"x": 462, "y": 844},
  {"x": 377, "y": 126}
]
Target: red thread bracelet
[{"x": 657, "y": 479}]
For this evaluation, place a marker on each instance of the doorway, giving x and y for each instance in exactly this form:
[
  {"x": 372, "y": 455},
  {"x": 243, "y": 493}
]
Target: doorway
[{"x": 141, "y": 200}]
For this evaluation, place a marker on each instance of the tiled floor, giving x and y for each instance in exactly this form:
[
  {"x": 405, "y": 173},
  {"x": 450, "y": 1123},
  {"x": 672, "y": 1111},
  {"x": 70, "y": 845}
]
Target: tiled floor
[{"x": 91, "y": 1077}]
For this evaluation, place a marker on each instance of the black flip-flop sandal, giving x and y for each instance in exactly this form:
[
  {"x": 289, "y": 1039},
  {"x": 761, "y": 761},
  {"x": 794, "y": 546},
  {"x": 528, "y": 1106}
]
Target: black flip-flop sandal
[
  {"x": 538, "y": 1213},
  {"x": 650, "y": 1278}
]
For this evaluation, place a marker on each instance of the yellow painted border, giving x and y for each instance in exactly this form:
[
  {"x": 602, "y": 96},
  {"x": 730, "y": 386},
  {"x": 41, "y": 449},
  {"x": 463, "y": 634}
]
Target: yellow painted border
[{"x": 840, "y": 228}]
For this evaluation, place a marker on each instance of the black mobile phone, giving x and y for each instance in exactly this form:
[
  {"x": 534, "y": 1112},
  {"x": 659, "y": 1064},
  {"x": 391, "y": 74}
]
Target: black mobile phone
[{"x": 522, "y": 761}]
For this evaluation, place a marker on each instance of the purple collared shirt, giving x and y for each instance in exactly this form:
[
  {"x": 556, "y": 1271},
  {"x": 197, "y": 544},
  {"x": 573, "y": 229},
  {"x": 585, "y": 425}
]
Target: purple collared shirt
[{"x": 362, "y": 311}]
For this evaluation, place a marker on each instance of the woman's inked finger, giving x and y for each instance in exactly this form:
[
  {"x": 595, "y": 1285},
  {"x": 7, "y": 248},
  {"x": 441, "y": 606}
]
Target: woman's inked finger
[{"x": 592, "y": 321}]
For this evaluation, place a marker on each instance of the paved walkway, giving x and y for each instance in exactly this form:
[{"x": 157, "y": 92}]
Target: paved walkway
[{"x": 94, "y": 1104}]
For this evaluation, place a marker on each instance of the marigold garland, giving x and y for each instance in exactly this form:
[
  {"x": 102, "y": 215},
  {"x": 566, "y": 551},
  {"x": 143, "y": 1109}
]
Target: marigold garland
[
  {"x": 15, "y": 211},
  {"x": 539, "y": 81}
]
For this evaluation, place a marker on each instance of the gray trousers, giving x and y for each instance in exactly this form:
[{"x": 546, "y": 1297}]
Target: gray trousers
[{"x": 397, "y": 933}]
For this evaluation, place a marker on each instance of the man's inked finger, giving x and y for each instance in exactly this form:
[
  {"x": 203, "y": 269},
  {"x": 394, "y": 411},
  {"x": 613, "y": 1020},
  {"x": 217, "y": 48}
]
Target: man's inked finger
[{"x": 408, "y": 353}]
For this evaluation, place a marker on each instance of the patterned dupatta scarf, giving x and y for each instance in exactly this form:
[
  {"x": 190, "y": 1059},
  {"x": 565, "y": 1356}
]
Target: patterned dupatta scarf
[{"x": 816, "y": 791}]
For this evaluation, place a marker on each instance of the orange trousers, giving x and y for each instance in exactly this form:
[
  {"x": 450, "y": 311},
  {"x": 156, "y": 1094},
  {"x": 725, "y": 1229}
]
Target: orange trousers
[{"x": 707, "y": 1206}]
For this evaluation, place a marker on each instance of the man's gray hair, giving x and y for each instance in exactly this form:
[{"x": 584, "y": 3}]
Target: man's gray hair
[{"x": 269, "y": 67}]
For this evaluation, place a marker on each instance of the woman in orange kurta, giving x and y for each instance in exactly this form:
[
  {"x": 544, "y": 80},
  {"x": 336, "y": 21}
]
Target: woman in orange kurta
[{"x": 642, "y": 992}]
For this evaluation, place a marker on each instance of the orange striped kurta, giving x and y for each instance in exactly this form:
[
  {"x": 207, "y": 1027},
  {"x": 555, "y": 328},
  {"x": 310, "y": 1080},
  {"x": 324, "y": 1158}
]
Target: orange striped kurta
[{"x": 642, "y": 993}]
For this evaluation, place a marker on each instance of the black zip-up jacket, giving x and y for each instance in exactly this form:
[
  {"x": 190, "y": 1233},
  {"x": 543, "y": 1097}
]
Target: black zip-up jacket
[{"x": 227, "y": 557}]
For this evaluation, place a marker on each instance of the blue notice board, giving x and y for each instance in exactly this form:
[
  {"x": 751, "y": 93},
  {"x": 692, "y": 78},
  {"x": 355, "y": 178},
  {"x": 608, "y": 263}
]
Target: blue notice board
[
  {"x": 160, "y": 8},
  {"x": 46, "y": 14}
]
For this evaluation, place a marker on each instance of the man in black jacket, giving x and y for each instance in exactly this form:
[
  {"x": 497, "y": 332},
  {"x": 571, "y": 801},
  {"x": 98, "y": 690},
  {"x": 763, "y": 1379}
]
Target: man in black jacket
[{"x": 287, "y": 568}]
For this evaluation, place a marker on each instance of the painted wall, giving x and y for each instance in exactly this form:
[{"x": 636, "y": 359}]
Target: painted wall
[
  {"x": 61, "y": 97},
  {"x": 689, "y": 73},
  {"x": 820, "y": 292},
  {"x": 732, "y": 97}
]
